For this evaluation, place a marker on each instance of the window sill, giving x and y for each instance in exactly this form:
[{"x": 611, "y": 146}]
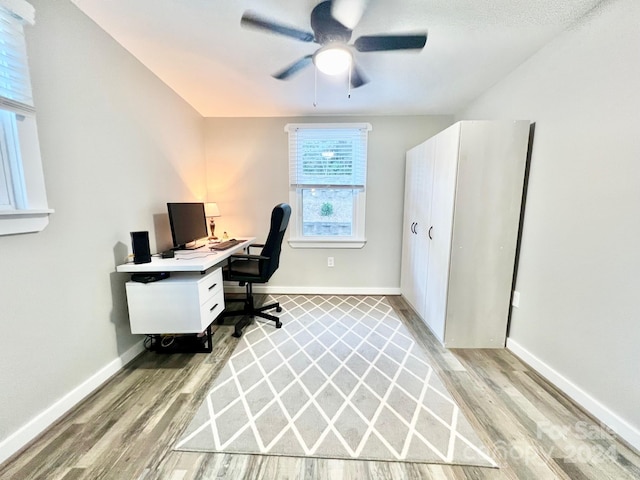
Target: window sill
[
  {"x": 13, "y": 222},
  {"x": 25, "y": 213},
  {"x": 325, "y": 243}
]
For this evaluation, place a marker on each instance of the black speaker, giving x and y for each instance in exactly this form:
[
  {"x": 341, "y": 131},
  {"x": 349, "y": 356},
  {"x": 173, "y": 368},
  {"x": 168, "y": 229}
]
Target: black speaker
[{"x": 141, "y": 249}]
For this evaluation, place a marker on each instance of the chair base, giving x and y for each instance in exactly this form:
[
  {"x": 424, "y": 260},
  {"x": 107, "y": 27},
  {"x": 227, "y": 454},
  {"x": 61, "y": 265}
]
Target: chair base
[{"x": 249, "y": 311}]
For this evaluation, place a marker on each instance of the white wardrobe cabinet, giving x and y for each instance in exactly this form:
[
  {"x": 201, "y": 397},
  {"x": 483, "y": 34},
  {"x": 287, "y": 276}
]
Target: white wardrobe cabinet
[{"x": 463, "y": 193}]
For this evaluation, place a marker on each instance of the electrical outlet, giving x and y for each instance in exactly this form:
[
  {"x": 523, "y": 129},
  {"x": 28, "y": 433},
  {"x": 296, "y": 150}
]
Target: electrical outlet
[
  {"x": 329, "y": 261},
  {"x": 516, "y": 299}
]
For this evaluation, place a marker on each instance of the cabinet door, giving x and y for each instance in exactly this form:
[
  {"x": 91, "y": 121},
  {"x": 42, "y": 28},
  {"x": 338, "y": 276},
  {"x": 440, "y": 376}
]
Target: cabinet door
[
  {"x": 415, "y": 251},
  {"x": 441, "y": 228},
  {"x": 409, "y": 275}
]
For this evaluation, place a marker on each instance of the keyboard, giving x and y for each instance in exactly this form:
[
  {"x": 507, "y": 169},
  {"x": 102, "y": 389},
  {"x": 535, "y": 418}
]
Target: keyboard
[{"x": 224, "y": 245}]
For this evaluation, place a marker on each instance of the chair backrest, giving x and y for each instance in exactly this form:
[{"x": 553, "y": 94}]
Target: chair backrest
[{"x": 272, "y": 247}]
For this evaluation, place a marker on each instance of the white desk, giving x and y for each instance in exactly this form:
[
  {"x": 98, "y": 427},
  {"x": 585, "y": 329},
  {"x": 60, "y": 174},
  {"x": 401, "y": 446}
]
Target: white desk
[
  {"x": 198, "y": 260},
  {"x": 186, "y": 302}
]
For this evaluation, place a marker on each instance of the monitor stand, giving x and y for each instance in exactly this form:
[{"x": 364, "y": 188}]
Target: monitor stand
[{"x": 193, "y": 246}]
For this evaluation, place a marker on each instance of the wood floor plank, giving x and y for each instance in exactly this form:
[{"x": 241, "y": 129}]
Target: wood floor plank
[
  {"x": 126, "y": 430},
  {"x": 73, "y": 474},
  {"x": 285, "y": 468},
  {"x": 51, "y": 457}
]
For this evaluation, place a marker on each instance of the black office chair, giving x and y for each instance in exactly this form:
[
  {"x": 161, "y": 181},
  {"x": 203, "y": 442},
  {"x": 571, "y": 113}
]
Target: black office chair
[{"x": 249, "y": 269}]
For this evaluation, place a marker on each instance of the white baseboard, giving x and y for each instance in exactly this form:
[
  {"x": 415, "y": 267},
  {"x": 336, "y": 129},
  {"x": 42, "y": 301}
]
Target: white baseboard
[
  {"x": 616, "y": 423},
  {"x": 25, "y": 434},
  {"x": 277, "y": 290}
]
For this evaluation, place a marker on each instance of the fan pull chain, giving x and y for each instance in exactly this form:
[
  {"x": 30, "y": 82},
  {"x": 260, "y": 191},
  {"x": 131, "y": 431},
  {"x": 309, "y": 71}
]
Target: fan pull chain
[
  {"x": 349, "y": 85},
  {"x": 315, "y": 86}
]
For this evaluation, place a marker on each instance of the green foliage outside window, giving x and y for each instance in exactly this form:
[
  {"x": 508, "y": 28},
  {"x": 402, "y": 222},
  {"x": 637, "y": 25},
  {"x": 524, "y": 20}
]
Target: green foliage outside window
[{"x": 326, "y": 210}]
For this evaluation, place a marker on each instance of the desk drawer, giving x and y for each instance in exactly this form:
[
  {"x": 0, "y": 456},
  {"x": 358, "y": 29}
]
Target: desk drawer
[
  {"x": 211, "y": 309},
  {"x": 210, "y": 285}
]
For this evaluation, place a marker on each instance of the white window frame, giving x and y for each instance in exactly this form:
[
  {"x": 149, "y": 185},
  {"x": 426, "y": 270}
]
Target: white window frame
[
  {"x": 22, "y": 177},
  {"x": 296, "y": 238}
]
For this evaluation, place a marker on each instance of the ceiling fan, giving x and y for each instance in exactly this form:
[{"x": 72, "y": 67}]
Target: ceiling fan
[{"x": 335, "y": 54}]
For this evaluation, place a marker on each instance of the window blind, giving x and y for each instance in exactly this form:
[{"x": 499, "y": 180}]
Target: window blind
[
  {"x": 328, "y": 155},
  {"x": 15, "y": 83}
]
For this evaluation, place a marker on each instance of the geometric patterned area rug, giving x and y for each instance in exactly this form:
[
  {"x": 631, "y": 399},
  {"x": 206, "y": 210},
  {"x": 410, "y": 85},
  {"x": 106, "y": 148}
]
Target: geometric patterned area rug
[{"x": 343, "y": 378}]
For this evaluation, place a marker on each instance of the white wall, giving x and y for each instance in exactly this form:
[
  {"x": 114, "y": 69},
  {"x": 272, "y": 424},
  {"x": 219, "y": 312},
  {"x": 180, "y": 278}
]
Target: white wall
[
  {"x": 579, "y": 316},
  {"x": 247, "y": 174},
  {"x": 116, "y": 145}
]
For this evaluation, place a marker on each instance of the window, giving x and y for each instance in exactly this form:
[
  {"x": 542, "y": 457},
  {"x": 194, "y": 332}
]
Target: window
[
  {"x": 23, "y": 202},
  {"x": 327, "y": 178}
]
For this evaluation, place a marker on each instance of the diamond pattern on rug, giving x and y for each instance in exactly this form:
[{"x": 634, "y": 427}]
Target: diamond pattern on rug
[{"x": 343, "y": 378}]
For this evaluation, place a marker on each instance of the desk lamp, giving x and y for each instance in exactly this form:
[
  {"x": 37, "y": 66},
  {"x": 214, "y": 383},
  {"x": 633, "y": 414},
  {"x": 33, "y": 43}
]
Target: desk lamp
[{"x": 211, "y": 211}]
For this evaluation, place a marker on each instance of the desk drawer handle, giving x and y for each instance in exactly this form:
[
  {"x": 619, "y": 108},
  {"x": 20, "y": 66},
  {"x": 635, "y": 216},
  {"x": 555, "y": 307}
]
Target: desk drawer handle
[
  {"x": 214, "y": 307},
  {"x": 213, "y": 286}
]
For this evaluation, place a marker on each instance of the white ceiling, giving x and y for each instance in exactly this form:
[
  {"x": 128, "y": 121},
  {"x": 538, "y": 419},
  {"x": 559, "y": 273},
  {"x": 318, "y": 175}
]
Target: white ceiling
[{"x": 199, "y": 49}]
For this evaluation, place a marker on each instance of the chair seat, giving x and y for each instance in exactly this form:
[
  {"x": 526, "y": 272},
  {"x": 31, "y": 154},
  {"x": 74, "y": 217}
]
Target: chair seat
[{"x": 242, "y": 271}]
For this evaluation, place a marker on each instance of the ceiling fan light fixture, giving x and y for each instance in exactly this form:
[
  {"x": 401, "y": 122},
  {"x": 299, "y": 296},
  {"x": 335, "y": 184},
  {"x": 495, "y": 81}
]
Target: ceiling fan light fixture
[{"x": 332, "y": 60}]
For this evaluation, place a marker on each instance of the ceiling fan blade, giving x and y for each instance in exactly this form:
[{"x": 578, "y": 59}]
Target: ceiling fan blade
[
  {"x": 348, "y": 12},
  {"x": 294, "y": 68},
  {"x": 253, "y": 20},
  {"x": 358, "y": 78},
  {"x": 378, "y": 43}
]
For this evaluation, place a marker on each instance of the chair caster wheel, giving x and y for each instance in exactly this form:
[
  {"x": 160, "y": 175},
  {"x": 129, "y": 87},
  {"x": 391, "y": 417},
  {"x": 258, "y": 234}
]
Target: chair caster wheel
[
  {"x": 278, "y": 324},
  {"x": 278, "y": 308}
]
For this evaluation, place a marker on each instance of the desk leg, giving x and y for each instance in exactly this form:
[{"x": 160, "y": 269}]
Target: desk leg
[{"x": 209, "y": 346}]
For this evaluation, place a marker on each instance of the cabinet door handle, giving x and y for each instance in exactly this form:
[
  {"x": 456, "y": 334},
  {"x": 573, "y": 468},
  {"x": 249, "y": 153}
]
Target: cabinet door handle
[
  {"x": 214, "y": 307},
  {"x": 213, "y": 286},
  {"x": 430, "y": 228},
  {"x": 415, "y": 227}
]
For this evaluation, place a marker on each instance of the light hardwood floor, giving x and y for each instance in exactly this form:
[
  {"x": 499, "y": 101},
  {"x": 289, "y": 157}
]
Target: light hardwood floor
[{"x": 126, "y": 429}]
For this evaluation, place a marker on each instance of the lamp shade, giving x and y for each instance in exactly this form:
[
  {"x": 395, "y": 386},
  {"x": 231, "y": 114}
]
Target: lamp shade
[
  {"x": 211, "y": 209},
  {"x": 332, "y": 60}
]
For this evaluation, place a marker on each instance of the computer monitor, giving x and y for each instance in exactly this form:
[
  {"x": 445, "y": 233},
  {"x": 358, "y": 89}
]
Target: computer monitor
[{"x": 188, "y": 224}]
